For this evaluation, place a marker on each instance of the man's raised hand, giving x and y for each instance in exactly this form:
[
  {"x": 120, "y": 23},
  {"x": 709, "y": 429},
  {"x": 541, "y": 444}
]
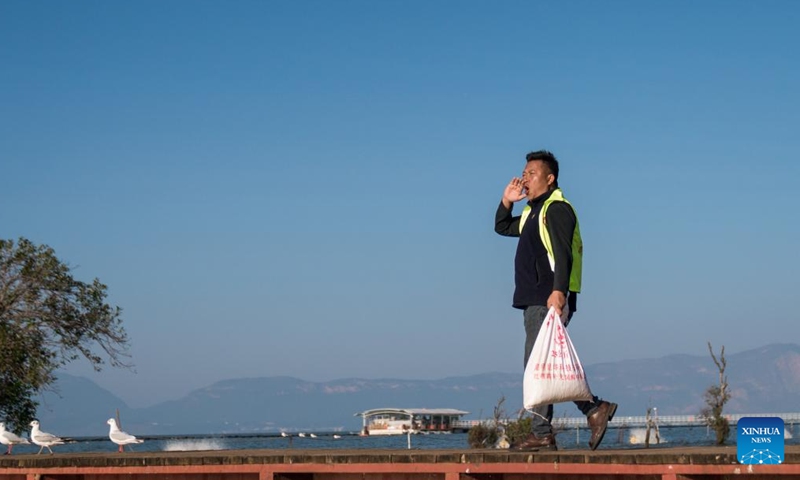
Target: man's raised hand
[{"x": 513, "y": 193}]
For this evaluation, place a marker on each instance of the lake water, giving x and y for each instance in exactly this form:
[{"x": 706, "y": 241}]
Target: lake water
[{"x": 615, "y": 438}]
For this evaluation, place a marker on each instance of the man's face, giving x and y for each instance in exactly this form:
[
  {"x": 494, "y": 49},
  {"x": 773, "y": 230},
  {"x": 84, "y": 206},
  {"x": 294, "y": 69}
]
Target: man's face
[{"x": 536, "y": 179}]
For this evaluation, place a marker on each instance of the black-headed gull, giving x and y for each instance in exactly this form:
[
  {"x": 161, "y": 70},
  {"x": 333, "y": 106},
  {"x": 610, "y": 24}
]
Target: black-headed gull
[
  {"x": 10, "y": 439},
  {"x": 43, "y": 439},
  {"x": 119, "y": 437}
]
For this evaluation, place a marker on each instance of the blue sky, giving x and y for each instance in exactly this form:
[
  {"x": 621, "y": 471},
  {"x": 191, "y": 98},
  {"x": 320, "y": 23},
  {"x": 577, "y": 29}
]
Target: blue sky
[{"x": 308, "y": 188}]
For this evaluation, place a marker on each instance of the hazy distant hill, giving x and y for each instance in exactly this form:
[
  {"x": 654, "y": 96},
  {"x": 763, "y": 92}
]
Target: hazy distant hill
[
  {"x": 268, "y": 404},
  {"x": 78, "y": 407},
  {"x": 766, "y": 379}
]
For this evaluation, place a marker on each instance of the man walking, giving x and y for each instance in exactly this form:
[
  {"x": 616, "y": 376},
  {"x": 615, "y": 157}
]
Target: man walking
[{"x": 547, "y": 273}]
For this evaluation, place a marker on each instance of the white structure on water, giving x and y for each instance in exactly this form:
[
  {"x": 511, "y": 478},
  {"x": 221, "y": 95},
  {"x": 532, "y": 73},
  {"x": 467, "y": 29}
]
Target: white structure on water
[{"x": 399, "y": 421}]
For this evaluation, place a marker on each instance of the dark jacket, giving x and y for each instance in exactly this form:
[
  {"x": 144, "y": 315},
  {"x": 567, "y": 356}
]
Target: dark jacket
[{"x": 534, "y": 280}]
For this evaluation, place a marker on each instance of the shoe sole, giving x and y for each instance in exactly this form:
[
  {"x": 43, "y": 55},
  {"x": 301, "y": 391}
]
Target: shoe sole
[{"x": 611, "y": 412}]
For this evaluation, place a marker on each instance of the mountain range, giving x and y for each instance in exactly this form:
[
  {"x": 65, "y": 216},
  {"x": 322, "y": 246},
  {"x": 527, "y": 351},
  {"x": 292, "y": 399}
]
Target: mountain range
[{"x": 762, "y": 380}]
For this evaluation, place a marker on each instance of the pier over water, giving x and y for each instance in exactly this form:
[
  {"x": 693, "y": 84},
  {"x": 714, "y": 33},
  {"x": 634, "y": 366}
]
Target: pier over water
[
  {"x": 641, "y": 421},
  {"x": 705, "y": 463}
]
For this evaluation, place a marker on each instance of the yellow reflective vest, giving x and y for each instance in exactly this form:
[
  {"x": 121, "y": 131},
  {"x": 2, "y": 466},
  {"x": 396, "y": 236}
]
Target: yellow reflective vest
[{"x": 577, "y": 242}]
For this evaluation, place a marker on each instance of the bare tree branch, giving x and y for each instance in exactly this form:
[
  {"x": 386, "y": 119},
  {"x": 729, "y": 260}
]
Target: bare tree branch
[{"x": 716, "y": 396}]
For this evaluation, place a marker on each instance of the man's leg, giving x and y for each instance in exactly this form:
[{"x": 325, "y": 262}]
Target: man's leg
[
  {"x": 543, "y": 414},
  {"x": 598, "y": 412},
  {"x": 585, "y": 406},
  {"x": 541, "y": 436}
]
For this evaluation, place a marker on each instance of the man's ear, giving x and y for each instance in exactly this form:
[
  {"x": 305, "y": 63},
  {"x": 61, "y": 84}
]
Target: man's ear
[{"x": 551, "y": 179}]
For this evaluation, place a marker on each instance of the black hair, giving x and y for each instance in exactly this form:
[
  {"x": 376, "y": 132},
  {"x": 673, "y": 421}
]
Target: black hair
[{"x": 548, "y": 159}]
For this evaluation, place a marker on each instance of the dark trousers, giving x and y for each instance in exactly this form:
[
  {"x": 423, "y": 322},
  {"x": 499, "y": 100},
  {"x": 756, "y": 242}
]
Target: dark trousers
[{"x": 543, "y": 414}]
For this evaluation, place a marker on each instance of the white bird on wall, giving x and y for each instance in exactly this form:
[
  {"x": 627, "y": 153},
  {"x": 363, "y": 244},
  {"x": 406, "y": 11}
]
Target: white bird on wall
[
  {"x": 10, "y": 439},
  {"x": 119, "y": 437},
  {"x": 43, "y": 439}
]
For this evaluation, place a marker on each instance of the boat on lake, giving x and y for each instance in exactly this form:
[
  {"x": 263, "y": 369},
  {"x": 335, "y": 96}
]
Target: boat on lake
[{"x": 402, "y": 421}]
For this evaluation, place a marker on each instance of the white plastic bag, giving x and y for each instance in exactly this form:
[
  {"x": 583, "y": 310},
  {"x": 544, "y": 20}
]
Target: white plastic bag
[{"x": 554, "y": 372}]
